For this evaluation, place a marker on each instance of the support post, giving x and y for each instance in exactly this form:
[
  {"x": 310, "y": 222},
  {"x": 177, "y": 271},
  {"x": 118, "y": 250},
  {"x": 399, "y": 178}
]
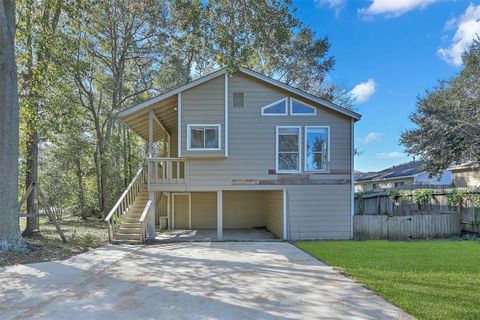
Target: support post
[
  {"x": 179, "y": 130},
  {"x": 150, "y": 134},
  {"x": 352, "y": 176},
  {"x": 285, "y": 220},
  {"x": 226, "y": 115},
  {"x": 151, "y": 219},
  {"x": 169, "y": 212},
  {"x": 220, "y": 215}
]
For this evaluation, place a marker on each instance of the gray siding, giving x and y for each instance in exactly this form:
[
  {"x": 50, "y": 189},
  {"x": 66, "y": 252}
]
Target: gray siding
[
  {"x": 252, "y": 136},
  {"x": 319, "y": 212},
  {"x": 204, "y": 104},
  {"x": 315, "y": 211},
  {"x": 274, "y": 212}
]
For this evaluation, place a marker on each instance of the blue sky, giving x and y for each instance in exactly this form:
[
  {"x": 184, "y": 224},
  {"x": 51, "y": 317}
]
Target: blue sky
[{"x": 388, "y": 52}]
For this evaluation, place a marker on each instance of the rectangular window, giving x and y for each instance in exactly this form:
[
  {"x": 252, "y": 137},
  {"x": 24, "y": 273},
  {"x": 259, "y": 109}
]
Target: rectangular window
[
  {"x": 317, "y": 145},
  {"x": 203, "y": 137},
  {"x": 288, "y": 149},
  {"x": 238, "y": 100}
]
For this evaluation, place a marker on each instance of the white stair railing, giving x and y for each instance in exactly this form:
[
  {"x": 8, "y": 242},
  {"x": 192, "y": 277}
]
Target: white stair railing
[
  {"x": 124, "y": 202},
  {"x": 143, "y": 222}
]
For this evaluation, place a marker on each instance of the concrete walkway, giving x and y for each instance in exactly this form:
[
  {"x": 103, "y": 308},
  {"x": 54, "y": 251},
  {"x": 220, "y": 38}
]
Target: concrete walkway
[{"x": 217, "y": 280}]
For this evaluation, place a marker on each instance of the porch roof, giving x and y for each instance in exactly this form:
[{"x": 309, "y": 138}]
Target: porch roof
[{"x": 165, "y": 119}]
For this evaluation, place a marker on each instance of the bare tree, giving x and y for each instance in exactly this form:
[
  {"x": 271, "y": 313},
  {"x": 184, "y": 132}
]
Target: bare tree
[{"x": 10, "y": 237}]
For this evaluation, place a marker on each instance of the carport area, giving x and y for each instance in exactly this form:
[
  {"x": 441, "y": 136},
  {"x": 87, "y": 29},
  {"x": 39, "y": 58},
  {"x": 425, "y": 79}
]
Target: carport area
[
  {"x": 202, "y": 235},
  {"x": 201, "y": 280},
  {"x": 223, "y": 215}
]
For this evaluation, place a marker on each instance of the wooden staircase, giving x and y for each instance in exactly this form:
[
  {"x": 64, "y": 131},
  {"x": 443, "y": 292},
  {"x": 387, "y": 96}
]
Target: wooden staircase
[
  {"x": 130, "y": 228},
  {"x": 127, "y": 222}
]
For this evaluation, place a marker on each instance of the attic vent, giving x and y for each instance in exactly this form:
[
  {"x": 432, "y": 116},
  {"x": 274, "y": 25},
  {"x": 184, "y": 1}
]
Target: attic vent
[{"x": 238, "y": 100}]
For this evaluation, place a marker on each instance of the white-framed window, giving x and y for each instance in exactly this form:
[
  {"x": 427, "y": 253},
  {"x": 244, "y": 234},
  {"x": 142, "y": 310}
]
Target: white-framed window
[
  {"x": 277, "y": 108},
  {"x": 203, "y": 137},
  {"x": 317, "y": 148},
  {"x": 298, "y": 108},
  {"x": 288, "y": 155}
]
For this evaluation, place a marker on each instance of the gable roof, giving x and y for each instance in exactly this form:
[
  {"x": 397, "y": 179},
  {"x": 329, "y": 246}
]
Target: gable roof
[
  {"x": 404, "y": 170},
  {"x": 210, "y": 76}
]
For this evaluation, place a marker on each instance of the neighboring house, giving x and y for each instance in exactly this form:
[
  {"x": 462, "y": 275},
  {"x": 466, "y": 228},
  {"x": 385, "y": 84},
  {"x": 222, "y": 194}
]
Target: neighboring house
[
  {"x": 244, "y": 151},
  {"x": 402, "y": 175},
  {"x": 466, "y": 175}
]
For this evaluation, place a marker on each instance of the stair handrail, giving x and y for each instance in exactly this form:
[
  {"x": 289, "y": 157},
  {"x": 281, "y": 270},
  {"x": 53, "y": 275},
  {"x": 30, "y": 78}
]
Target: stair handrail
[
  {"x": 124, "y": 202},
  {"x": 143, "y": 225}
]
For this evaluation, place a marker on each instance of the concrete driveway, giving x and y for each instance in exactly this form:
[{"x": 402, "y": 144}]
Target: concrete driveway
[{"x": 218, "y": 280}]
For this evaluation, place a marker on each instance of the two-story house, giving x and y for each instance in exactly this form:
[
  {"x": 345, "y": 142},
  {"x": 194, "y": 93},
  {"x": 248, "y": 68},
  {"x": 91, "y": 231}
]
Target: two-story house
[{"x": 240, "y": 151}]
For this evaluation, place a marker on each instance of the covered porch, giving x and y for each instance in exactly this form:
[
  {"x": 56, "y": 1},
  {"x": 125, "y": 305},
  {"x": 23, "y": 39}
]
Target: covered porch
[{"x": 159, "y": 127}]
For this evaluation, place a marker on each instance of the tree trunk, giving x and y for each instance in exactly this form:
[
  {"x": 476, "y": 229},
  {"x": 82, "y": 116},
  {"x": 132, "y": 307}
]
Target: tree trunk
[
  {"x": 81, "y": 193},
  {"x": 10, "y": 237},
  {"x": 125, "y": 157},
  {"x": 129, "y": 153},
  {"x": 31, "y": 129},
  {"x": 103, "y": 179},
  {"x": 97, "y": 177},
  {"x": 31, "y": 176}
]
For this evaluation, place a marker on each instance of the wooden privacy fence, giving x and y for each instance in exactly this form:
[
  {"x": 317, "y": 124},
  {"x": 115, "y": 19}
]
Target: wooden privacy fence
[
  {"x": 382, "y": 227},
  {"x": 382, "y": 203}
]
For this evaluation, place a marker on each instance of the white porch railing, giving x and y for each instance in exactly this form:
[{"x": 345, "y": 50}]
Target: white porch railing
[
  {"x": 122, "y": 205},
  {"x": 167, "y": 171},
  {"x": 144, "y": 223}
]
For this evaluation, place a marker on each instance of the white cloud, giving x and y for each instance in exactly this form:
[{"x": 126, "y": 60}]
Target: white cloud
[
  {"x": 331, "y": 3},
  {"x": 390, "y": 155},
  {"x": 337, "y": 5},
  {"x": 394, "y": 8},
  {"x": 372, "y": 137},
  {"x": 468, "y": 26},
  {"x": 363, "y": 91}
]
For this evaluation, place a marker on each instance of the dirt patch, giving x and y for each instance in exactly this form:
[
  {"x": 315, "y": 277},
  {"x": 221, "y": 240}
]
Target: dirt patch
[{"x": 47, "y": 246}]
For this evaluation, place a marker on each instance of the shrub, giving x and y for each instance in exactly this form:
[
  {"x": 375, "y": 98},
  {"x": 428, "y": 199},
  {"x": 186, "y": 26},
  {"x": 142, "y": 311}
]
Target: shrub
[
  {"x": 393, "y": 195},
  {"x": 405, "y": 194},
  {"x": 456, "y": 197},
  {"x": 422, "y": 196},
  {"x": 88, "y": 240}
]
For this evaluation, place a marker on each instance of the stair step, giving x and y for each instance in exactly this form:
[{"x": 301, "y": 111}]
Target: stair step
[
  {"x": 129, "y": 230},
  {"x": 131, "y": 220},
  {"x": 130, "y": 225},
  {"x": 126, "y": 241},
  {"x": 134, "y": 213},
  {"x": 127, "y": 236},
  {"x": 137, "y": 206}
]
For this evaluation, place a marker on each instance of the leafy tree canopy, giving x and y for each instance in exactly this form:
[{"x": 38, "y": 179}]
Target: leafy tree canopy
[{"x": 447, "y": 119}]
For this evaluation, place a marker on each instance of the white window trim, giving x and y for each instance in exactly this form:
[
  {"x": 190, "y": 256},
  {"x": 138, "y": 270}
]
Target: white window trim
[
  {"x": 305, "y": 156},
  {"x": 302, "y": 114},
  {"x": 274, "y": 103},
  {"x": 189, "y": 136},
  {"x": 299, "y": 149}
]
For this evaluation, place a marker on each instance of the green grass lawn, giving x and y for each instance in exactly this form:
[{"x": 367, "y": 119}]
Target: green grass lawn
[{"x": 428, "y": 279}]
